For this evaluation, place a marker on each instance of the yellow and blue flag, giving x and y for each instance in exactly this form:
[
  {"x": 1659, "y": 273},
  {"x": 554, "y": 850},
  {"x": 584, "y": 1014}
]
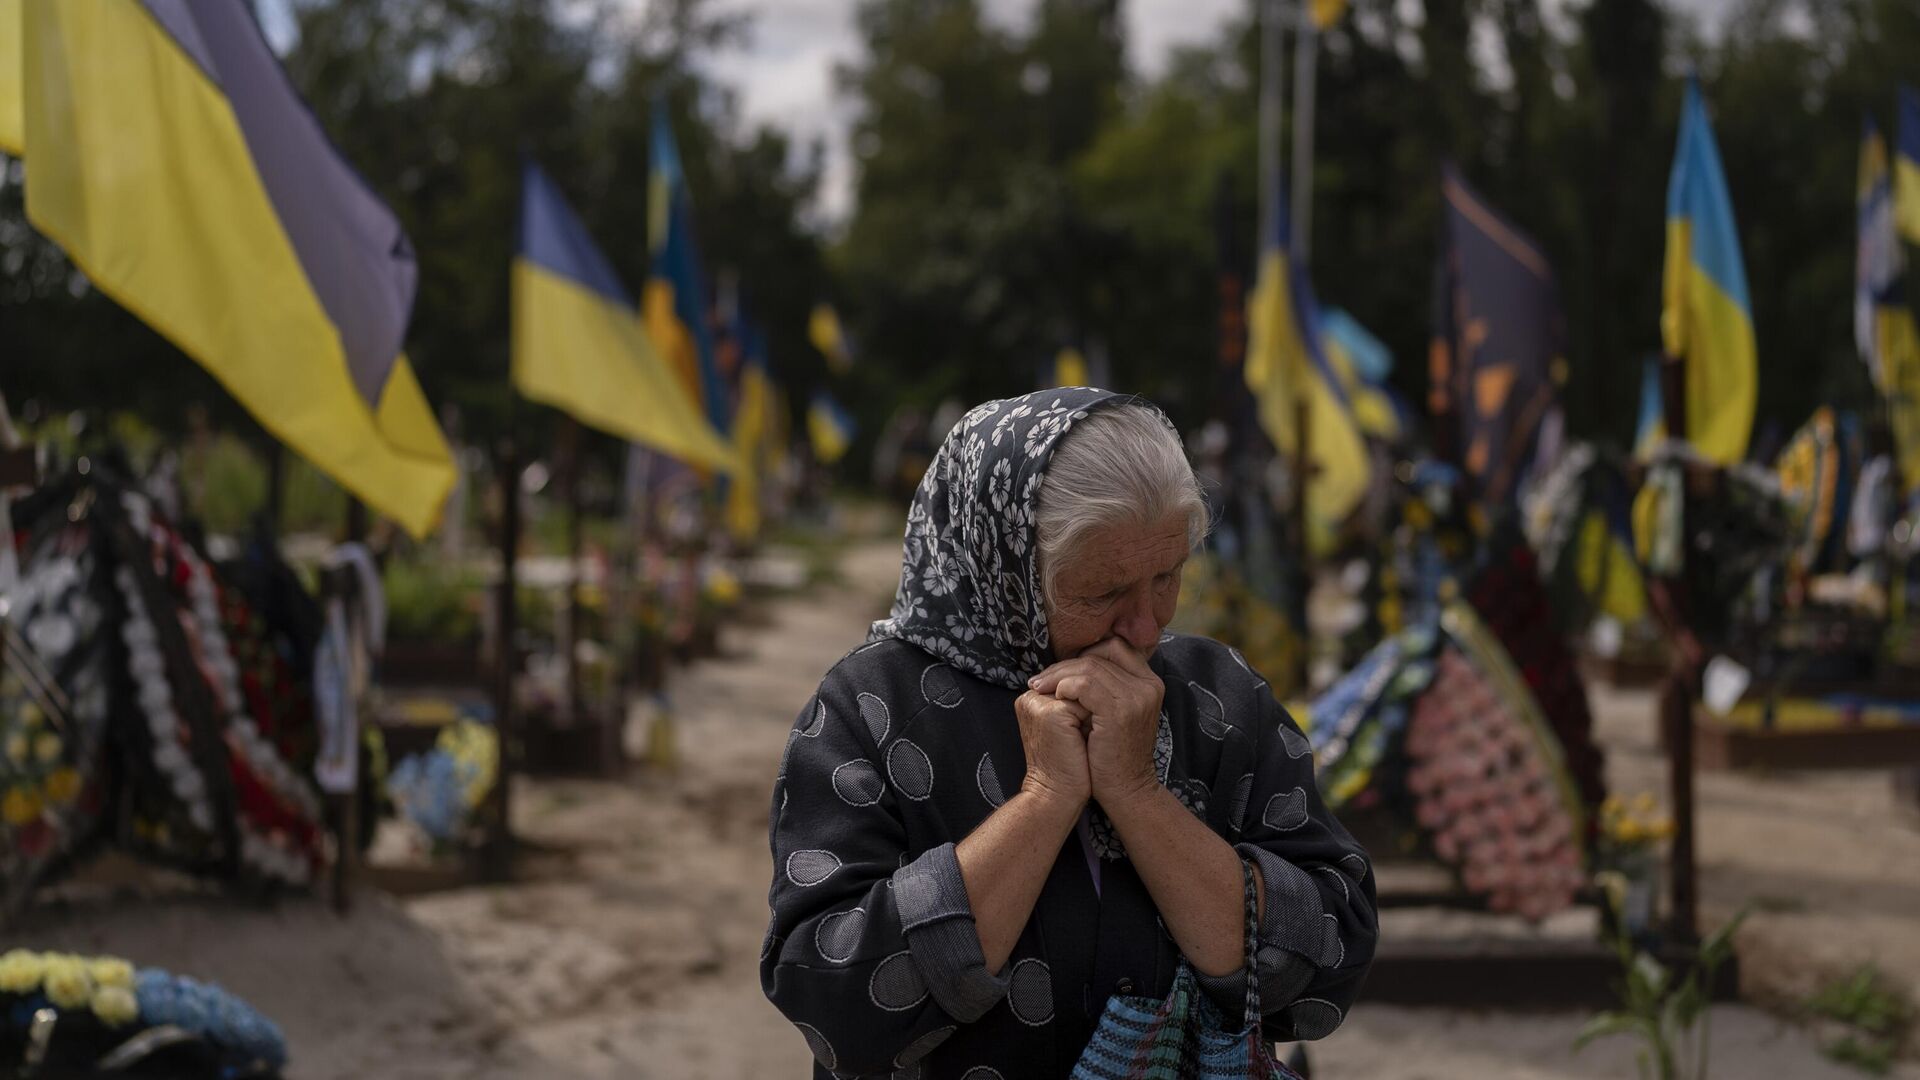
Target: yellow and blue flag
[
  {"x": 1906, "y": 164},
  {"x": 1499, "y": 335},
  {"x": 577, "y": 340},
  {"x": 1286, "y": 365},
  {"x": 828, "y": 336},
  {"x": 1651, "y": 429},
  {"x": 1361, "y": 363},
  {"x": 829, "y": 427},
  {"x": 172, "y": 160},
  {"x": 1883, "y": 315},
  {"x": 1706, "y": 321},
  {"x": 752, "y": 424},
  {"x": 677, "y": 314}
]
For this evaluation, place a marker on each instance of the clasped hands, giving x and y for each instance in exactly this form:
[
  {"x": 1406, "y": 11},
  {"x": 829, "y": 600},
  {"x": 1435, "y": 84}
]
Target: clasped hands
[{"x": 1088, "y": 726}]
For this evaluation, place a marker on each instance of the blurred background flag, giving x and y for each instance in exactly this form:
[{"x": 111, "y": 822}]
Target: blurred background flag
[
  {"x": 1883, "y": 314},
  {"x": 1707, "y": 318},
  {"x": 12, "y": 79},
  {"x": 577, "y": 340},
  {"x": 298, "y": 301},
  {"x": 1070, "y": 368},
  {"x": 827, "y": 335},
  {"x": 1906, "y": 164},
  {"x": 1499, "y": 338},
  {"x": 829, "y": 428},
  {"x": 1651, "y": 428},
  {"x": 1361, "y": 363},
  {"x": 1285, "y": 365},
  {"x": 676, "y": 294},
  {"x": 752, "y": 417},
  {"x": 1327, "y": 12}
]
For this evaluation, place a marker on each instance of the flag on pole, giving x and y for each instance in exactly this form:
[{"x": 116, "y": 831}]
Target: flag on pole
[
  {"x": 752, "y": 418},
  {"x": 174, "y": 163},
  {"x": 1360, "y": 363},
  {"x": 1499, "y": 340},
  {"x": 677, "y": 314},
  {"x": 1286, "y": 364},
  {"x": 1906, "y": 164},
  {"x": 1070, "y": 368},
  {"x": 1651, "y": 429},
  {"x": 1707, "y": 318},
  {"x": 577, "y": 340},
  {"x": 829, "y": 427},
  {"x": 827, "y": 335},
  {"x": 1883, "y": 315}
]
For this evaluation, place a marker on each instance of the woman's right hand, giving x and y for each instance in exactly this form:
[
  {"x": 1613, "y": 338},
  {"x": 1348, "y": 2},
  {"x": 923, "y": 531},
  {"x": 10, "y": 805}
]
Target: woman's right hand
[{"x": 1053, "y": 733}]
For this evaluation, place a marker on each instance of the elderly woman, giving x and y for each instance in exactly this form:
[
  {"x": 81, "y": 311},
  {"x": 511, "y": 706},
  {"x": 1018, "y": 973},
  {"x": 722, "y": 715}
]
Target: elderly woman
[{"x": 1022, "y": 795}]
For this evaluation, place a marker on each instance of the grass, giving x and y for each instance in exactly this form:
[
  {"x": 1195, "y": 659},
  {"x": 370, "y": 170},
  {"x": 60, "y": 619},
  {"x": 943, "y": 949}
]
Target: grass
[{"x": 1877, "y": 1014}]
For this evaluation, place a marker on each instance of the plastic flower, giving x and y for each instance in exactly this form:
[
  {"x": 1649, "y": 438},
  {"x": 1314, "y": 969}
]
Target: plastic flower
[
  {"x": 115, "y": 1005},
  {"x": 67, "y": 983},
  {"x": 17, "y": 748},
  {"x": 46, "y": 747},
  {"x": 111, "y": 971},
  {"x": 61, "y": 786},
  {"x": 20, "y": 806},
  {"x": 20, "y": 971}
]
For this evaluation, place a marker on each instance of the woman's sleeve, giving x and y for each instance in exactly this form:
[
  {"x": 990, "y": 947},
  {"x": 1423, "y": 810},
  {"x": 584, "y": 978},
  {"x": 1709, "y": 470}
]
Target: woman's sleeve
[
  {"x": 1318, "y": 925},
  {"x": 871, "y": 954}
]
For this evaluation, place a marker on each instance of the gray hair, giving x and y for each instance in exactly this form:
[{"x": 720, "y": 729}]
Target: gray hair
[{"x": 1123, "y": 464}]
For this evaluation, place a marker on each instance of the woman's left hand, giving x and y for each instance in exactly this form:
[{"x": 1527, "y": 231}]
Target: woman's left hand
[{"x": 1123, "y": 695}]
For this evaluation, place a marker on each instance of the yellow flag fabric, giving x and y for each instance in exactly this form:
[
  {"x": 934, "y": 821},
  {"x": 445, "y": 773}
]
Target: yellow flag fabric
[
  {"x": 13, "y": 133},
  {"x": 1284, "y": 361},
  {"x": 750, "y": 427},
  {"x": 142, "y": 173},
  {"x": 1327, "y": 12},
  {"x": 1707, "y": 318},
  {"x": 1070, "y": 368},
  {"x": 829, "y": 428},
  {"x": 1906, "y": 165},
  {"x": 591, "y": 359},
  {"x": 827, "y": 335}
]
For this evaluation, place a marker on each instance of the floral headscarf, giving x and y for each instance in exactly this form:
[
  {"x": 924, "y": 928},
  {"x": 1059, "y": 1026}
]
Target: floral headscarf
[{"x": 969, "y": 583}]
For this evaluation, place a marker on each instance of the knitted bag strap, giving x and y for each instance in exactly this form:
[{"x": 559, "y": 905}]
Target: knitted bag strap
[{"x": 1252, "y": 944}]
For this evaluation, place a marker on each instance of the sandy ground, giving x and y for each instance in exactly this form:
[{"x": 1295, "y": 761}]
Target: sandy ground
[{"x": 630, "y": 947}]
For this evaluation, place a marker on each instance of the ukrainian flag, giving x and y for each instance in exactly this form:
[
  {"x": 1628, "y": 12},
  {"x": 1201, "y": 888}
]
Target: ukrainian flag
[
  {"x": 1360, "y": 363},
  {"x": 577, "y": 340},
  {"x": 1884, "y": 326},
  {"x": 1285, "y": 364},
  {"x": 827, "y": 335},
  {"x": 173, "y": 162},
  {"x": 752, "y": 419},
  {"x": 1652, "y": 427},
  {"x": 1906, "y": 165},
  {"x": 676, "y": 294},
  {"x": 1707, "y": 319},
  {"x": 829, "y": 427}
]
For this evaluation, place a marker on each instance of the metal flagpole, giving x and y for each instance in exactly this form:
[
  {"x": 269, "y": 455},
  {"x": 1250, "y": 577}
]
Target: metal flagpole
[
  {"x": 1273, "y": 60},
  {"x": 1306, "y": 52}
]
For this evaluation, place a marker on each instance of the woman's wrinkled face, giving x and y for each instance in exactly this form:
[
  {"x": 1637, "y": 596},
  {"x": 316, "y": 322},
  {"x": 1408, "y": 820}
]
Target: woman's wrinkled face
[{"x": 1120, "y": 581}]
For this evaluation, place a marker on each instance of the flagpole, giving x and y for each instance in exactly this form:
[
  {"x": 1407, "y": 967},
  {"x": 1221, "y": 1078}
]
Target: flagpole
[
  {"x": 1273, "y": 60},
  {"x": 1306, "y": 53}
]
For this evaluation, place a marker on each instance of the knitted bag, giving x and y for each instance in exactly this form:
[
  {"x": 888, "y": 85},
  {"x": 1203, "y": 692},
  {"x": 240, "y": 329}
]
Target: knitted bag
[{"x": 1184, "y": 1037}]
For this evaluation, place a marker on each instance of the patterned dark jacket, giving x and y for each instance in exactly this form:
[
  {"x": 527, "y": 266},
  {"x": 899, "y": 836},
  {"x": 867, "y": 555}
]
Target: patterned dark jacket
[{"x": 911, "y": 742}]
